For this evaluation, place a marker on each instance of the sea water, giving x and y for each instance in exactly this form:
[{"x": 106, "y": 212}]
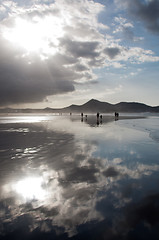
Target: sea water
[{"x": 63, "y": 177}]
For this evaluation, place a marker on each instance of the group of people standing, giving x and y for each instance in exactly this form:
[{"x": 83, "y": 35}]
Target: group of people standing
[
  {"x": 100, "y": 116},
  {"x": 116, "y": 114}
]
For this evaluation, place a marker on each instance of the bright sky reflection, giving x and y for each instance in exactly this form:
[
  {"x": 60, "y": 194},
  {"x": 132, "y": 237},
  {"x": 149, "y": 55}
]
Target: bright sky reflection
[
  {"x": 26, "y": 119},
  {"x": 31, "y": 188}
]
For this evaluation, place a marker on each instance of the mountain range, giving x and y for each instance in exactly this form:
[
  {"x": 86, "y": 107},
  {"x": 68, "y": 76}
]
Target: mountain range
[{"x": 92, "y": 106}]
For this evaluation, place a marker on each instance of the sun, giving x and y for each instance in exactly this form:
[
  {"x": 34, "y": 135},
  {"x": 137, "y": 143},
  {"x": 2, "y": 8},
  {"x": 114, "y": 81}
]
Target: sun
[{"x": 36, "y": 35}]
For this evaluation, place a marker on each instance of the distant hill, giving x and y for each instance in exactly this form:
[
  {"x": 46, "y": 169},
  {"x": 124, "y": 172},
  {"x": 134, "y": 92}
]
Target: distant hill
[
  {"x": 134, "y": 107},
  {"x": 91, "y": 106},
  {"x": 94, "y": 106}
]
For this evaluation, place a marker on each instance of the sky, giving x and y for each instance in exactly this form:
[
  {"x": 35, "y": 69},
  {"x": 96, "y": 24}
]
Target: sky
[{"x": 63, "y": 52}]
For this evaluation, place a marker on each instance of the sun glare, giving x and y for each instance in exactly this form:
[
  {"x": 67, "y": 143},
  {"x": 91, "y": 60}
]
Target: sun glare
[{"x": 39, "y": 35}]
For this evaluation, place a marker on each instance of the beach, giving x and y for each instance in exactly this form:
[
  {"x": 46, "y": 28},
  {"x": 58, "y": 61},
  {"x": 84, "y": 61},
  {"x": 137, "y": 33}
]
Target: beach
[{"x": 67, "y": 177}]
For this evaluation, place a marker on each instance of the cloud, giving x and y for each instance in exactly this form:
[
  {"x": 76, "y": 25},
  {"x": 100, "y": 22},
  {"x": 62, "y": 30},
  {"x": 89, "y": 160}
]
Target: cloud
[
  {"x": 24, "y": 82},
  {"x": 80, "y": 67},
  {"x": 146, "y": 11},
  {"x": 37, "y": 63},
  {"x": 111, "y": 172},
  {"x": 144, "y": 212},
  {"x": 125, "y": 27},
  {"x": 112, "y": 51},
  {"x": 82, "y": 174},
  {"x": 48, "y": 47},
  {"x": 79, "y": 49},
  {"x": 119, "y": 55}
]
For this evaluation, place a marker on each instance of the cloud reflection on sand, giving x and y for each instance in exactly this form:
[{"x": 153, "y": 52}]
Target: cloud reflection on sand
[{"x": 78, "y": 175}]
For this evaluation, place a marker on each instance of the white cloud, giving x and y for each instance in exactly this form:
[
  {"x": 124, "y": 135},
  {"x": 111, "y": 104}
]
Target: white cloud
[{"x": 133, "y": 55}]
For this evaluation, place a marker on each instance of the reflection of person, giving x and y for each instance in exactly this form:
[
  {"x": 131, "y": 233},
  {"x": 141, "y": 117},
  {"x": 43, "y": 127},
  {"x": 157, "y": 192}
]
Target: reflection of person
[{"x": 101, "y": 117}]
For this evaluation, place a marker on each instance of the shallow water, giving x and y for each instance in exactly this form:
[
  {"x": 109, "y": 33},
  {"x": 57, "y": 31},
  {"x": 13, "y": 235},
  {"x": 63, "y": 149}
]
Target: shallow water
[{"x": 62, "y": 177}]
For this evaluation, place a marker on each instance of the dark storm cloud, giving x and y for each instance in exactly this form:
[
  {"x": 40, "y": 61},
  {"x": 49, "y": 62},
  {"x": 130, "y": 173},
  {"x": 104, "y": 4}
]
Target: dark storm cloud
[
  {"x": 143, "y": 213},
  {"x": 147, "y": 210},
  {"x": 112, "y": 52},
  {"x": 24, "y": 82},
  {"x": 81, "y": 49},
  {"x": 81, "y": 175},
  {"x": 147, "y": 12},
  {"x": 97, "y": 62},
  {"x": 80, "y": 68},
  {"x": 139, "y": 220},
  {"x": 111, "y": 172}
]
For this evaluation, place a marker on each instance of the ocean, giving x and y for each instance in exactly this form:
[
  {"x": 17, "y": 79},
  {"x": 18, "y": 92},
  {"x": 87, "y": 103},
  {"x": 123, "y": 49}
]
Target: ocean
[{"x": 63, "y": 177}]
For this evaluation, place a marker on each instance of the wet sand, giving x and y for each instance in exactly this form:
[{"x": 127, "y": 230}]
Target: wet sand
[{"x": 62, "y": 177}]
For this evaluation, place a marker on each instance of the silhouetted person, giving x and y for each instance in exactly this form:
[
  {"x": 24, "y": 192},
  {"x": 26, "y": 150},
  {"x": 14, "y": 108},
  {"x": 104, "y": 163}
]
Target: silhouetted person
[
  {"x": 81, "y": 117},
  {"x": 97, "y": 114},
  {"x": 86, "y": 117},
  {"x": 116, "y": 116}
]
